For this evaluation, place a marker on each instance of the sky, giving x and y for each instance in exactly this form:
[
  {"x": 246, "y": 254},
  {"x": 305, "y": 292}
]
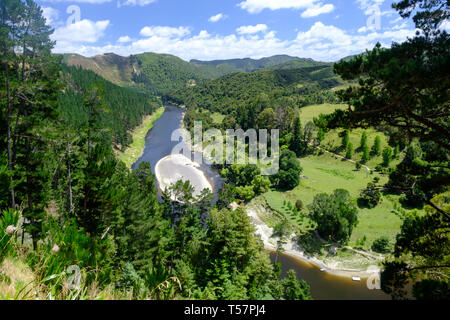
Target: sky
[{"x": 324, "y": 30}]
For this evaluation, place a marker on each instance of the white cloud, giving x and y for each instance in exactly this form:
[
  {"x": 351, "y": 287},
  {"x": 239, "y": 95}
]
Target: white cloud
[
  {"x": 317, "y": 10},
  {"x": 363, "y": 29},
  {"x": 78, "y": 1},
  {"x": 217, "y": 17},
  {"x": 369, "y": 6},
  {"x": 165, "y": 32},
  {"x": 400, "y": 26},
  {"x": 396, "y": 20},
  {"x": 251, "y": 29},
  {"x": 320, "y": 42},
  {"x": 81, "y": 31},
  {"x": 256, "y": 6},
  {"x": 124, "y": 39},
  {"x": 445, "y": 25},
  {"x": 133, "y": 3},
  {"x": 51, "y": 15}
]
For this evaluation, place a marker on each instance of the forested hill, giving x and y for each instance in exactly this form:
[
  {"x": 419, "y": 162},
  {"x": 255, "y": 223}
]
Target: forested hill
[
  {"x": 122, "y": 111},
  {"x": 300, "y": 86},
  {"x": 248, "y": 65},
  {"x": 163, "y": 73}
]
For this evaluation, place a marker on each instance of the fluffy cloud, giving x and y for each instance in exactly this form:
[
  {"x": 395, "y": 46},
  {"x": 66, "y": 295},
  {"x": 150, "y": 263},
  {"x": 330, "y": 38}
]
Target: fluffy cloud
[
  {"x": 312, "y": 8},
  {"x": 368, "y": 5},
  {"x": 50, "y": 14},
  {"x": 165, "y": 32},
  {"x": 251, "y": 29},
  {"x": 321, "y": 42},
  {"x": 316, "y": 10},
  {"x": 124, "y": 39},
  {"x": 79, "y": 1},
  {"x": 217, "y": 17},
  {"x": 81, "y": 31},
  {"x": 140, "y": 3}
]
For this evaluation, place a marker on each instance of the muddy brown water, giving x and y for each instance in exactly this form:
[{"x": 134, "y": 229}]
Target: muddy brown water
[{"x": 325, "y": 286}]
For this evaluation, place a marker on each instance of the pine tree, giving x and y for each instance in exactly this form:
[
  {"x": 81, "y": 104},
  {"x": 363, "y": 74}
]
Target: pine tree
[
  {"x": 376, "y": 148},
  {"x": 297, "y": 141},
  {"x": 363, "y": 140},
  {"x": 345, "y": 139},
  {"x": 365, "y": 154},
  {"x": 349, "y": 151},
  {"x": 396, "y": 151},
  {"x": 320, "y": 135},
  {"x": 387, "y": 156}
]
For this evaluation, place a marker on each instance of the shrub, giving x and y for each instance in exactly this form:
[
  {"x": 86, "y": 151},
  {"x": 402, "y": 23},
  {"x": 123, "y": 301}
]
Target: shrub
[
  {"x": 381, "y": 245},
  {"x": 336, "y": 215},
  {"x": 299, "y": 205},
  {"x": 371, "y": 196},
  {"x": 9, "y": 220}
]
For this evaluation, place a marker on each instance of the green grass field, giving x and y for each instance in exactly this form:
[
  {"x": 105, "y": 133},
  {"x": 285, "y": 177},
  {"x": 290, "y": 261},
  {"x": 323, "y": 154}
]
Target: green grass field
[
  {"x": 134, "y": 151},
  {"x": 324, "y": 174},
  {"x": 333, "y": 138}
]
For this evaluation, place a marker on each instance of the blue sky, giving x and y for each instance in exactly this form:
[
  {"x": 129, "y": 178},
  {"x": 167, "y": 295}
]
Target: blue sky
[{"x": 325, "y": 30}]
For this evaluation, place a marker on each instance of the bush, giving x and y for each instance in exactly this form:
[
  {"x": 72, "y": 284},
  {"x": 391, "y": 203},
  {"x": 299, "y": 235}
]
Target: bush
[
  {"x": 245, "y": 193},
  {"x": 130, "y": 280},
  {"x": 370, "y": 197},
  {"x": 9, "y": 220},
  {"x": 381, "y": 245},
  {"x": 299, "y": 205},
  {"x": 288, "y": 176},
  {"x": 336, "y": 215}
]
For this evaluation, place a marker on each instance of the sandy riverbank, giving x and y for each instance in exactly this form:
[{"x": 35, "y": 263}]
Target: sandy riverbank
[
  {"x": 177, "y": 167},
  {"x": 293, "y": 250}
]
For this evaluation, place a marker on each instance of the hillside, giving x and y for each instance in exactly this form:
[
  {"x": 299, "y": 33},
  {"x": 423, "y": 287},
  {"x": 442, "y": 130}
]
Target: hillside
[
  {"x": 301, "y": 86},
  {"x": 110, "y": 66},
  {"x": 249, "y": 65},
  {"x": 162, "y": 73},
  {"x": 124, "y": 107}
]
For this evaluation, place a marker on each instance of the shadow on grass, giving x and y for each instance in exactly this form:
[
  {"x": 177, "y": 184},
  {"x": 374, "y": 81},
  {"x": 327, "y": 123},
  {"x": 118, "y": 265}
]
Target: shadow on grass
[{"x": 310, "y": 243}]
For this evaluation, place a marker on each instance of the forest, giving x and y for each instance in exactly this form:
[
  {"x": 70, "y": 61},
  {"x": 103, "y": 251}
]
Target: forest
[{"x": 67, "y": 204}]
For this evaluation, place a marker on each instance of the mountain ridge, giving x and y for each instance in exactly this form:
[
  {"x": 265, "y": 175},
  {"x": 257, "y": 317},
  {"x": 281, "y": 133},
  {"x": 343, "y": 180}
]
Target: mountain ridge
[{"x": 162, "y": 73}]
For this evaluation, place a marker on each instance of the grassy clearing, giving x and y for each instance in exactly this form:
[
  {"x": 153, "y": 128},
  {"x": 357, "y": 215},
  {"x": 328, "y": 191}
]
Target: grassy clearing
[
  {"x": 333, "y": 138},
  {"x": 134, "y": 151},
  {"x": 324, "y": 174},
  {"x": 310, "y": 112},
  {"x": 217, "y": 117}
]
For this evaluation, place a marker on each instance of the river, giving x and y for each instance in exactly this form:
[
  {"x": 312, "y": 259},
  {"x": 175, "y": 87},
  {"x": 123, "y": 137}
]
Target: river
[{"x": 324, "y": 286}]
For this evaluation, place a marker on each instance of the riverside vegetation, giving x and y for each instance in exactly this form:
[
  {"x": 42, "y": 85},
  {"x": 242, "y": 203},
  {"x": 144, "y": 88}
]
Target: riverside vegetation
[{"x": 364, "y": 164}]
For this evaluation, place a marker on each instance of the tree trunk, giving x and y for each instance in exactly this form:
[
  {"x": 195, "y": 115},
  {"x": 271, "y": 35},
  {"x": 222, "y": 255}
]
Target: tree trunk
[
  {"x": 69, "y": 167},
  {"x": 8, "y": 116},
  {"x": 29, "y": 186}
]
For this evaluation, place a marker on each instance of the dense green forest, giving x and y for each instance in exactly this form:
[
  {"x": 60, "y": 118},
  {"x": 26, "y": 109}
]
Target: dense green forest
[
  {"x": 123, "y": 108},
  {"x": 259, "y": 99},
  {"x": 68, "y": 204},
  {"x": 249, "y": 65},
  {"x": 163, "y": 73}
]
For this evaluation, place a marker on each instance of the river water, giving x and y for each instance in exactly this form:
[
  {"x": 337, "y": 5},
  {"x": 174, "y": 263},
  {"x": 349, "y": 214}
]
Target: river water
[{"x": 323, "y": 285}]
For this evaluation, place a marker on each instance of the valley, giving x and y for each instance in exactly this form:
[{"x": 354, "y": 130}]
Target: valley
[{"x": 212, "y": 160}]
